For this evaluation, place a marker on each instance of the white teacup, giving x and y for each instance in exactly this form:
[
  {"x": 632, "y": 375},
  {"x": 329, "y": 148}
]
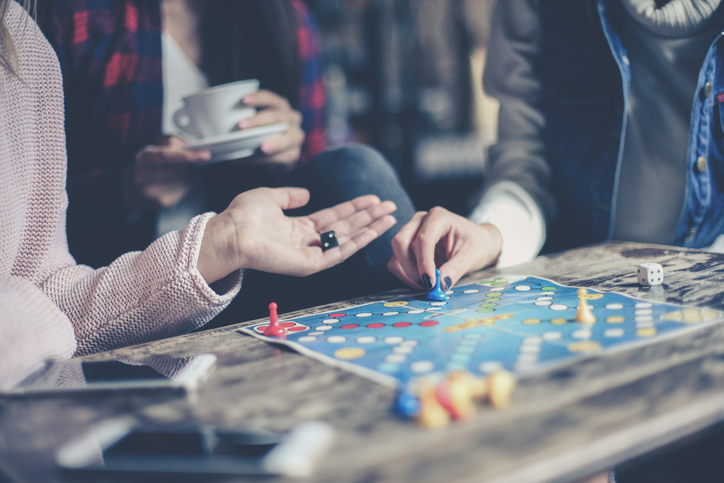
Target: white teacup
[{"x": 216, "y": 110}]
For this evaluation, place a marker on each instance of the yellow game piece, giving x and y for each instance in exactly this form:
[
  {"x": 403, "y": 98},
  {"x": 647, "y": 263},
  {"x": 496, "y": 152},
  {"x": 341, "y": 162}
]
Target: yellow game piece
[
  {"x": 500, "y": 389},
  {"x": 432, "y": 415},
  {"x": 462, "y": 388},
  {"x": 584, "y": 313}
]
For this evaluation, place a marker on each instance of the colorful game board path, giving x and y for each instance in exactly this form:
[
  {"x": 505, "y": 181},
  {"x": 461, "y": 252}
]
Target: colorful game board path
[{"x": 518, "y": 323}]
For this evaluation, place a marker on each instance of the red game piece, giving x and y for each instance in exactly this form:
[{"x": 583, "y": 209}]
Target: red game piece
[{"x": 274, "y": 329}]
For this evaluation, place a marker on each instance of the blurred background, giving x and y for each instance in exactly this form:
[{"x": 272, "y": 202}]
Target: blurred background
[{"x": 405, "y": 76}]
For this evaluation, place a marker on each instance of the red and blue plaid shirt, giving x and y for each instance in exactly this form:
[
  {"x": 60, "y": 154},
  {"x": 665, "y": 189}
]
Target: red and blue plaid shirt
[{"x": 111, "y": 58}]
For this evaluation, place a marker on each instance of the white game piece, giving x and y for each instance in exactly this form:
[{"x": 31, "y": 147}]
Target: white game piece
[{"x": 649, "y": 274}]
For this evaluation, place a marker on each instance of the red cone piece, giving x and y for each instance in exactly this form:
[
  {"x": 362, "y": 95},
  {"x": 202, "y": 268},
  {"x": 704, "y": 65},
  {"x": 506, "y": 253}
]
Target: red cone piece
[{"x": 274, "y": 329}]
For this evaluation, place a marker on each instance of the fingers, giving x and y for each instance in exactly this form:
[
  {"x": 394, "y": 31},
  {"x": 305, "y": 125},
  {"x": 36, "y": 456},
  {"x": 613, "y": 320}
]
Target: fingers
[
  {"x": 361, "y": 220},
  {"x": 434, "y": 228},
  {"x": 403, "y": 263},
  {"x": 287, "y": 147},
  {"x": 264, "y": 98},
  {"x": 326, "y": 217}
]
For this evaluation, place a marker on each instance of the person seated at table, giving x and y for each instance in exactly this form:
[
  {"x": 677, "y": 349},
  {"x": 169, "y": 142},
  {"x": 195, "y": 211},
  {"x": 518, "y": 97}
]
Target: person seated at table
[
  {"x": 53, "y": 308},
  {"x": 610, "y": 127},
  {"x": 126, "y": 67}
]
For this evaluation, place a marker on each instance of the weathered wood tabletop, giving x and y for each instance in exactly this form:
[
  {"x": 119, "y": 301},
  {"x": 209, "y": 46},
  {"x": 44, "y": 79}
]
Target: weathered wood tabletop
[{"x": 564, "y": 424}]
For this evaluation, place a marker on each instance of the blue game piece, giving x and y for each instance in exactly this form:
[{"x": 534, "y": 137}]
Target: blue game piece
[
  {"x": 407, "y": 404},
  {"x": 437, "y": 293}
]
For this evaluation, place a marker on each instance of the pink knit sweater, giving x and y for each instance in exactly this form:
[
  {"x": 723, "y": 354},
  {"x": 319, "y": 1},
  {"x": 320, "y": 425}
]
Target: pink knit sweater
[{"x": 51, "y": 308}]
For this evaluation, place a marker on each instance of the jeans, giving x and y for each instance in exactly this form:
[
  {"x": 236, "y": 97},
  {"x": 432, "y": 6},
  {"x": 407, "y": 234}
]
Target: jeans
[{"x": 332, "y": 177}]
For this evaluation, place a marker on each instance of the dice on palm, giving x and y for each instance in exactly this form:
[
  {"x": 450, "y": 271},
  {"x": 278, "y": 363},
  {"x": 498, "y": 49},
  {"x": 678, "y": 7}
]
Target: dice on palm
[{"x": 650, "y": 274}]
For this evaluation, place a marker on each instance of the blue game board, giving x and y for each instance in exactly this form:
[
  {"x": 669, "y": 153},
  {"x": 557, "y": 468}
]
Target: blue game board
[{"x": 517, "y": 323}]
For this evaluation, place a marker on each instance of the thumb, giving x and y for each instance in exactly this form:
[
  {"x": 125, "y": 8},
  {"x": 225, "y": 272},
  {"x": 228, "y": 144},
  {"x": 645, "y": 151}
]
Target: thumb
[{"x": 290, "y": 198}]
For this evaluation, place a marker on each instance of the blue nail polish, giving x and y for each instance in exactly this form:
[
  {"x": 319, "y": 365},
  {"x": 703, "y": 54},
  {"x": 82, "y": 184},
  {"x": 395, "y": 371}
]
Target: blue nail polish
[
  {"x": 426, "y": 282},
  {"x": 447, "y": 283}
]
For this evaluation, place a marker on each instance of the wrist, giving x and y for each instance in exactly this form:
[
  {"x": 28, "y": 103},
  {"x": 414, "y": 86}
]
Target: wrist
[{"x": 217, "y": 257}]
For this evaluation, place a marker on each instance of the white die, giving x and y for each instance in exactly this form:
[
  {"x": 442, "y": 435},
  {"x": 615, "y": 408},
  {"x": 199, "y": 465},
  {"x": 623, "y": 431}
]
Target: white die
[{"x": 650, "y": 274}]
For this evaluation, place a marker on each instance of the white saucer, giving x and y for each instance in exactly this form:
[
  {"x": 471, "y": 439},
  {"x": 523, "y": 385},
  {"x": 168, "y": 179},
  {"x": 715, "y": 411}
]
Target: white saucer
[{"x": 237, "y": 144}]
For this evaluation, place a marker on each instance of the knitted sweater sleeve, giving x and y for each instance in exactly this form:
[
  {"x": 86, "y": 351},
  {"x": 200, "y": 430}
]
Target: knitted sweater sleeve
[{"x": 141, "y": 296}]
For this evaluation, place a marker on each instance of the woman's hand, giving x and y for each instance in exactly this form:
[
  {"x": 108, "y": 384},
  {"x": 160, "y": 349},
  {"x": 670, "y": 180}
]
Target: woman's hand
[
  {"x": 283, "y": 150},
  {"x": 161, "y": 172},
  {"x": 253, "y": 232},
  {"x": 444, "y": 240}
]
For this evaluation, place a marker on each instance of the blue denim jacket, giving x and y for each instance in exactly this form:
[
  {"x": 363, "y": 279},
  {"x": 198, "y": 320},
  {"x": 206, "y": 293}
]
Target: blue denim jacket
[{"x": 585, "y": 74}]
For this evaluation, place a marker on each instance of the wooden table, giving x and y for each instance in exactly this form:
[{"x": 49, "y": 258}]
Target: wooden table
[{"x": 564, "y": 424}]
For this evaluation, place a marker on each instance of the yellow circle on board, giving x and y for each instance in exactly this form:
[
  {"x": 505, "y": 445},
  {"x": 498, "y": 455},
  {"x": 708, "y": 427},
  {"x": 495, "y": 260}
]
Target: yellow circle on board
[
  {"x": 709, "y": 314},
  {"x": 593, "y": 296},
  {"x": 531, "y": 321},
  {"x": 399, "y": 303},
  {"x": 616, "y": 319},
  {"x": 690, "y": 312},
  {"x": 349, "y": 353},
  {"x": 646, "y": 332},
  {"x": 584, "y": 346},
  {"x": 692, "y": 319},
  {"x": 559, "y": 321}
]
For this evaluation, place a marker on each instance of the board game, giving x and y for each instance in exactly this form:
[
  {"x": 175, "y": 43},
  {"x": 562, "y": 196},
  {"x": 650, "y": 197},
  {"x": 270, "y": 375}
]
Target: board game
[{"x": 517, "y": 323}]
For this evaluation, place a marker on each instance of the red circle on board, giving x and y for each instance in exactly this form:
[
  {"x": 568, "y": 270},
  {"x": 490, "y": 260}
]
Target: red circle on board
[
  {"x": 375, "y": 325},
  {"x": 261, "y": 328},
  {"x": 287, "y": 324},
  {"x": 296, "y": 329},
  {"x": 428, "y": 323},
  {"x": 336, "y": 316},
  {"x": 402, "y": 324},
  {"x": 350, "y": 326}
]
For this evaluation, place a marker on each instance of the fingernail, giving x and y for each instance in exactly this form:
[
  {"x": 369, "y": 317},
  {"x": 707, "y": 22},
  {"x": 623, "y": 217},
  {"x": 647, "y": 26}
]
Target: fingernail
[
  {"x": 447, "y": 283},
  {"x": 426, "y": 282},
  {"x": 267, "y": 148},
  {"x": 248, "y": 99},
  {"x": 244, "y": 124}
]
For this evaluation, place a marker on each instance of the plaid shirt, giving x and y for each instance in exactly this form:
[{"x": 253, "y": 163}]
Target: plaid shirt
[{"x": 110, "y": 56}]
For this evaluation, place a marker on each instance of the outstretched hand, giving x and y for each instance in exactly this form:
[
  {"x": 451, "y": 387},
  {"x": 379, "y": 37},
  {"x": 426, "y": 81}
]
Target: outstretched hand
[
  {"x": 253, "y": 232},
  {"x": 441, "y": 239}
]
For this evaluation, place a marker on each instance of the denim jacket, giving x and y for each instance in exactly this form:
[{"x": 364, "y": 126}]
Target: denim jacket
[{"x": 584, "y": 76}]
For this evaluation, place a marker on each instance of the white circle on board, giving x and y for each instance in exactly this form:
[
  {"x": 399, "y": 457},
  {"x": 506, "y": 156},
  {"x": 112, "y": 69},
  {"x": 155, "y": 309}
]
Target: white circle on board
[
  {"x": 415, "y": 311},
  {"x": 366, "y": 339},
  {"x": 529, "y": 349},
  {"x": 613, "y": 332},
  {"x": 581, "y": 334},
  {"x": 395, "y": 339},
  {"x": 324, "y": 327},
  {"x": 387, "y": 314},
  {"x": 307, "y": 338},
  {"x": 644, "y": 305},
  {"x": 644, "y": 312},
  {"x": 330, "y": 321},
  {"x": 528, "y": 358},
  {"x": 551, "y": 335},
  {"x": 614, "y": 306},
  {"x": 642, "y": 325},
  {"x": 643, "y": 318},
  {"x": 490, "y": 366},
  {"x": 558, "y": 307},
  {"x": 336, "y": 339},
  {"x": 542, "y": 303},
  {"x": 544, "y": 298},
  {"x": 403, "y": 349},
  {"x": 316, "y": 333},
  {"x": 471, "y": 291},
  {"x": 522, "y": 288},
  {"x": 364, "y": 314},
  {"x": 422, "y": 366},
  {"x": 438, "y": 303},
  {"x": 532, "y": 341},
  {"x": 396, "y": 358},
  {"x": 411, "y": 343},
  {"x": 433, "y": 309}
]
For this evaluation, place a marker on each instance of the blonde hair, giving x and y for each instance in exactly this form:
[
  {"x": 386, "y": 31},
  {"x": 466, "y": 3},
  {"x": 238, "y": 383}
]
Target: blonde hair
[{"x": 9, "y": 55}]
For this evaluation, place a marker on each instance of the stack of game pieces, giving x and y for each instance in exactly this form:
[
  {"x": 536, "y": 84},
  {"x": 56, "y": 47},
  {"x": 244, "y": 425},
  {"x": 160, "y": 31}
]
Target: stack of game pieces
[{"x": 453, "y": 398}]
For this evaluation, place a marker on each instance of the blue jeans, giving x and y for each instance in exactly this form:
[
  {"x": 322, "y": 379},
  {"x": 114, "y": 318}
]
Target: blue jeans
[{"x": 332, "y": 177}]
